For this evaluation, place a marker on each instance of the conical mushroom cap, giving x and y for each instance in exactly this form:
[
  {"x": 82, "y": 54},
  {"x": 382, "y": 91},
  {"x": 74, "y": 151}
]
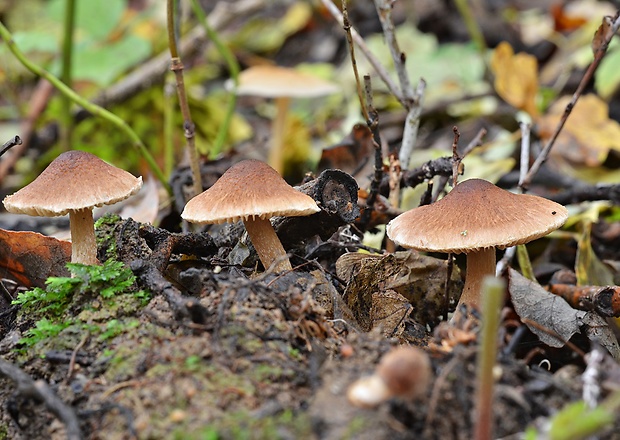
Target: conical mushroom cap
[
  {"x": 249, "y": 189},
  {"x": 75, "y": 180},
  {"x": 476, "y": 215}
]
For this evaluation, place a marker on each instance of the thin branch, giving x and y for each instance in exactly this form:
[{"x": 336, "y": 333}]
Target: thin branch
[
  {"x": 456, "y": 159},
  {"x": 39, "y": 390},
  {"x": 412, "y": 123},
  {"x": 10, "y": 144},
  {"x": 374, "y": 62},
  {"x": 347, "y": 29},
  {"x": 525, "y": 152},
  {"x": 598, "y": 56},
  {"x": 474, "y": 143},
  {"x": 373, "y": 124},
  {"x": 189, "y": 129}
]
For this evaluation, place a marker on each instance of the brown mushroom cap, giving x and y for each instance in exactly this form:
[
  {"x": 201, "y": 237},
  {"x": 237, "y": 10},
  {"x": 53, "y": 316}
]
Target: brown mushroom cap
[
  {"x": 476, "y": 215},
  {"x": 274, "y": 81},
  {"x": 74, "y": 181},
  {"x": 249, "y": 189}
]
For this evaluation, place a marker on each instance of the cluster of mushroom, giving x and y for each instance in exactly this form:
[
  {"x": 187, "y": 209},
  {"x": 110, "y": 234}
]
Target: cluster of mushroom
[{"x": 76, "y": 182}]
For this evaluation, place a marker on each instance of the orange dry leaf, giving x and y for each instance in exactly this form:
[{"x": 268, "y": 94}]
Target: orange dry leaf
[
  {"x": 30, "y": 258},
  {"x": 588, "y": 135},
  {"x": 516, "y": 77}
]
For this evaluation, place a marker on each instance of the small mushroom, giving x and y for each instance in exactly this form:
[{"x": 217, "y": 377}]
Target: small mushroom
[
  {"x": 475, "y": 218},
  {"x": 282, "y": 84},
  {"x": 75, "y": 183},
  {"x": 254, "y": 192},
  {"x": 404, "y": 372}
]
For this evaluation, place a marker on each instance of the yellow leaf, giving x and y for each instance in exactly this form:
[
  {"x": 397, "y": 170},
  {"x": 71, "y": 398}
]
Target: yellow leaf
[
  {"x": 516, "y": 77},
  {"x": 588, "y": 135}
]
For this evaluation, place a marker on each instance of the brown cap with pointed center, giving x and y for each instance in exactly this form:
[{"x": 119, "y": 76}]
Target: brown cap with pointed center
[
  {"x": 250, "y": 189},
  {"x": 476, "y": 215},
  {"x": 274, "y": 81},
  {"x": 74, "y": 181}
]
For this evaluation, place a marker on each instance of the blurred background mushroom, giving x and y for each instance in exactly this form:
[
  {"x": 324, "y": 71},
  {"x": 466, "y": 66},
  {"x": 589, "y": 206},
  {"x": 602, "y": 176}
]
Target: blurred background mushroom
[{"x": 282, "y": 84}]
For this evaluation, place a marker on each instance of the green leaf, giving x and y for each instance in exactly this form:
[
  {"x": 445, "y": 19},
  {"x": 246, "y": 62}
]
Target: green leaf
[
  {"x": 606, "y": 78},
  {"x": 95, "y": 19},
  {"x": 103, "y": 63}
]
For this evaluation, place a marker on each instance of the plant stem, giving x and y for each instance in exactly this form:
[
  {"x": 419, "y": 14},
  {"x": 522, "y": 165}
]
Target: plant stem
[
  {"x": 189, "y": 129},
  {"x": 66, "y": 128},
  {"x": 492, "y": 298},
  {"x": 87, "y": 105},
  {"x": 233, "y": 69},
  {"x": 472, "y": 26}
]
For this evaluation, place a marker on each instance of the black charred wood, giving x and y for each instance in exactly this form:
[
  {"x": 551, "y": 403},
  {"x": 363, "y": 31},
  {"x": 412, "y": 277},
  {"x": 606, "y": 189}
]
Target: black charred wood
[{"x": 336, "y": 194}]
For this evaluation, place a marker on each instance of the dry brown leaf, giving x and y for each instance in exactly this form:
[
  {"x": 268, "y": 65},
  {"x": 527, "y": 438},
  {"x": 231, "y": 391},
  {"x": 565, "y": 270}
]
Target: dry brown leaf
[
  {"x": 516, "y": 77},
  {"x": 29, "y": 258},
  {"x": 588, "y": 135},
  {"x": 534, "y": 303}
]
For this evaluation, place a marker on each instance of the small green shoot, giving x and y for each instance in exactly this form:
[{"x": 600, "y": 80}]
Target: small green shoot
[{"x": 48, "y": 306}]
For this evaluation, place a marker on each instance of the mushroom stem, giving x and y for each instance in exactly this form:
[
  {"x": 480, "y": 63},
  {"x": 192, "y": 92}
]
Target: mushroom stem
[
  {"x": 83, "y": 244},
  {"x": 278, "y": 129},
  {"x": 267, "y": 244},
  {"x": 479, "y": 264}
]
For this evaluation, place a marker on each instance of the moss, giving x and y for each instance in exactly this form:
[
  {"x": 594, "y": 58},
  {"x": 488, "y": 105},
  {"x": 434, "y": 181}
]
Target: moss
[{"x": 245, "y": 425}]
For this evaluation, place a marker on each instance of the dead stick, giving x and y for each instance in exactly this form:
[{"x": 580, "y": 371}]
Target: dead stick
[{"x": 39, "y": 390}]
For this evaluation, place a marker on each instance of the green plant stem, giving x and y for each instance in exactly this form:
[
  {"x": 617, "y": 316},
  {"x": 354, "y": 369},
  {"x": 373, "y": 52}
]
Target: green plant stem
[
  {"x": 188, "y": 125},
  {"x": 472, "y": 26},
  {"x": 87, "y": 105},
  {"x": 492, "y": 298},
  {"x": 66, "y": 128},
  {"x": 169, "y": 153},
  {"x": 233, "y": 69}
]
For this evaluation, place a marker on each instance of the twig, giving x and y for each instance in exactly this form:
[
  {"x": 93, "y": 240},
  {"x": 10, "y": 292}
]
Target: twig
[
  {"x": 474, "y": 143},
  {"x": 373, "y": 124},
  {"x": 598, "y": 56},
  {"x": 525, "y": 152},
  {"x": 347, "y": 29},
  {"x": 39, "y": 390},
  {"x": 89, "y": 106},
  {"x": 587, "y": 193},
  {"x": 189, "y": 129},
  {"x": 374, "y": 62},
  {"x": 10, "y": 144},
  {"x": 412, "y": 123},
  {"x": 411, "y": 101},
  {"x": 456, "y": 159}
]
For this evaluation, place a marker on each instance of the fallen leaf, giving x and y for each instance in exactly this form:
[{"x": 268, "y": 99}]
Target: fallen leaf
[
  {"x": 533, "y": 303},
  {"x": 351, "y": 154},
  {"x": 30, "y": 258},
  {"x": 589, "y": 134},
  {"x": 419, "y": 279},
  {"x": 389, "y": 311},
  {"x": 516, "y": 77}
]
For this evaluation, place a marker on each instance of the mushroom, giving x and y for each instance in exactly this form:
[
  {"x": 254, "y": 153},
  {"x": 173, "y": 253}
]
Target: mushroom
[
  {"x": 475, "y": 218},
  {"x": 75, "y": 183},
  {"x": 282, "y": 84},
  {"x": 404, "y": 372},
  {"x": 254, "y": 192}
]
